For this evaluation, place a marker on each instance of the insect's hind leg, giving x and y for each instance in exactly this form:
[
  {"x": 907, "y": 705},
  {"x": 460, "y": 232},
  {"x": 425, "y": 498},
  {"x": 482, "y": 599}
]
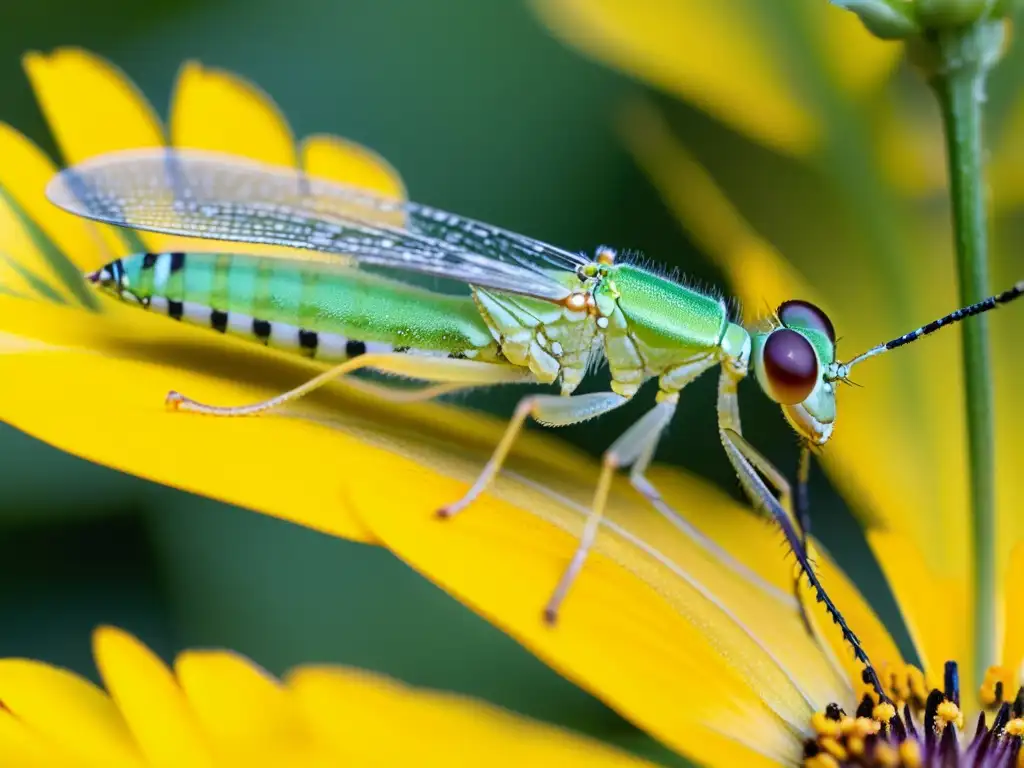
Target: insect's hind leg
[
  {"x": 550, "y": 410},
  {"x": 451, "y": 373}
]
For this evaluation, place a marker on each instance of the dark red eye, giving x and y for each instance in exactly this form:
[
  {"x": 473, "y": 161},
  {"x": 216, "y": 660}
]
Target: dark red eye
[
  {"x": 803, "y": 314},
  {"x": 791, "y": 366}
]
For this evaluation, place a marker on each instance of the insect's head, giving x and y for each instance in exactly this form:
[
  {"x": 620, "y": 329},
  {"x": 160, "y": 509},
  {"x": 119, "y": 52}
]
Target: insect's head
[{"x": 794, "y": 362}]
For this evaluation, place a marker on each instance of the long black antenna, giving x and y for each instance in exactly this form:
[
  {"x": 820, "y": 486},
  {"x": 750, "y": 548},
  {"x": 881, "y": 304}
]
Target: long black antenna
[{"x": 953, "y": 317}]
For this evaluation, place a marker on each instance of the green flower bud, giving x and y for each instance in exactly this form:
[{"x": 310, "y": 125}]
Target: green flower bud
[
  {"x": 887, "y": 19},
  {"x": 906, "y": 19},
  {"x": 943, "y": 14}
]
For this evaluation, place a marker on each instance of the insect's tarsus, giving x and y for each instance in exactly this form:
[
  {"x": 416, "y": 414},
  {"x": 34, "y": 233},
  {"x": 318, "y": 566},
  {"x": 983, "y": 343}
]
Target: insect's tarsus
[{"x": 821, "y": 596}]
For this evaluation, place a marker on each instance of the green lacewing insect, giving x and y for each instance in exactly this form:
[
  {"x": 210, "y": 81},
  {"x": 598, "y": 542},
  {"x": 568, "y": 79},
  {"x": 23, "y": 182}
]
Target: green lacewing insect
[{"x": 534, "y": 313}]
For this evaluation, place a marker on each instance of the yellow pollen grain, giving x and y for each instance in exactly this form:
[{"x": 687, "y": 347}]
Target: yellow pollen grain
[
  {"x": 910, "y": 754},
  {"x": 948, "y": 712},
  {"x": 834, "y": 748},
  {"x": 865, "y": 726},
  {"x": 886, "y": 756},
  {"x": 1015, "y": 727},
  {"x": 884, "y": 712},
  {"x": 856, "y": 745},
  {"x": 823, "y": 726},
  {"x": 821, "y": 760}
]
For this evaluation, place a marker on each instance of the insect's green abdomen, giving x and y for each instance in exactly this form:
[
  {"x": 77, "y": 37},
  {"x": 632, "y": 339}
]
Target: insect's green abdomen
[
  {"x": 662, "y": 314},
  {"x": 328, "y": 314}
]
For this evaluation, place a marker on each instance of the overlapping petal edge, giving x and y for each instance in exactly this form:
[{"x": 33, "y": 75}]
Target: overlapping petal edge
[
  {"x": 216, "y": 708},
  {"x": 705, "y": 651}
]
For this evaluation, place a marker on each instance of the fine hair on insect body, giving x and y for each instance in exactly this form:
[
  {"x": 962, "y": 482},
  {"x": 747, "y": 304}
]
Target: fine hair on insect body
[{"x": 534, "y": 313}]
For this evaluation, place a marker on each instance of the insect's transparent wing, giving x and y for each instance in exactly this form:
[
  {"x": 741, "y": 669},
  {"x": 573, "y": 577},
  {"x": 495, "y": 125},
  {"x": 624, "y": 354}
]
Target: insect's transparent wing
[{"x": 220, "y": 197}]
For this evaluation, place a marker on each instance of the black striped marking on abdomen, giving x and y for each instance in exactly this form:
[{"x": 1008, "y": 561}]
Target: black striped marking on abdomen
[{"x": 319, "y": 345}]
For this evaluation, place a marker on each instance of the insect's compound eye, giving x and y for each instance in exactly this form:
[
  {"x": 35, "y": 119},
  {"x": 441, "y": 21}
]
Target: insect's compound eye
[
  {"x": 802, "y": 314},
  {"x": 791, "y": 366}
]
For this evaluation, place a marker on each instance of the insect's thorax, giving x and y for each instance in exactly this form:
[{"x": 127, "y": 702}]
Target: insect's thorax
[
  {"x": 555, "y": 341},
  {"x": 658, "y": 326},
  {"x": 644, "y": 324}
]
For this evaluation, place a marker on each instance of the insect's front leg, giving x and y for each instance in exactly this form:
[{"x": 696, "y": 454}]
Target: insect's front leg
[{"x": 744, "y": 458}]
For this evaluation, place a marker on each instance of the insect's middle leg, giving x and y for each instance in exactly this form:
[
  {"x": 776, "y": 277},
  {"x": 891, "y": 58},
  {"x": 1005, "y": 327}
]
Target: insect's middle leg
[{"x": 635, "y": 444}]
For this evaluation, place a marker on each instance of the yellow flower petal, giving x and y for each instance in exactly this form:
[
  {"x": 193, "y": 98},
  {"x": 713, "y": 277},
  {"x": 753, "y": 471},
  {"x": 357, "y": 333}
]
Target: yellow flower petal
[
  {"x": 248, "y": 716},
  {"x": 91, "y": 107},
  {"x": 934, "y": 606},
  {"x": 217, "y": 110},
  {"x": 22, "y": 747},
  {"x": 24, "y": 267},
  {"x": 322, "y": 717},
  {"x": 24, "y": 173},
  {"x": 710, "y": 53},
  {"x": 332, "y": 157},
  {"x": 162, "y": 724},
  {"x": 370, "y": 719},
  {"x": 67, "y": 711},
  {"x": 652, "y": 647},
  {"x": 123, "y": 362},
  {"x": 1013, "y": 618}
]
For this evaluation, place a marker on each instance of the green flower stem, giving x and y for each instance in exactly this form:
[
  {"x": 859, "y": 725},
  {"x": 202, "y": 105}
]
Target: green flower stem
[{"x": 962, "y": 59}]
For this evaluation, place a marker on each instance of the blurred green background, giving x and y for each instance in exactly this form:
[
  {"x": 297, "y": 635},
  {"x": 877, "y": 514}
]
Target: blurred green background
[{"x": 484, "y": 114}]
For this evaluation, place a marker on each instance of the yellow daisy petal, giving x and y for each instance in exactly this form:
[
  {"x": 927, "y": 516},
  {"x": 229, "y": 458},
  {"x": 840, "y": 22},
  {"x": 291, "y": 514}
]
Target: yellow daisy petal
[
  {"x": 91, "y": 107},
  {"x": 25, "y": 269},
  {"x": 248, "y": 716},
  {"x": 665, "y": 657},
  {"x": 360, "y": 714},
  {"x": 217, "y": 110},
  {"x": 934, "y": 606},
  {"x": 24, "y": 173},
  {"x": 125, "y": 361},
  {"x": 333, "y": 157},
  {"x": 1013, "y": 618},
  {"x": 321, "y": 717},
  {"x": 22, "y": 747},
  {"x": 710, "y": 53},
  {"x": 156, "y": 711},
  {"x": 71, "y": 713}
]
